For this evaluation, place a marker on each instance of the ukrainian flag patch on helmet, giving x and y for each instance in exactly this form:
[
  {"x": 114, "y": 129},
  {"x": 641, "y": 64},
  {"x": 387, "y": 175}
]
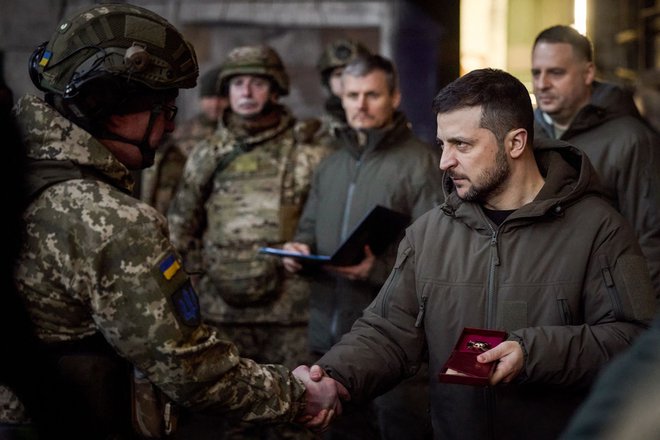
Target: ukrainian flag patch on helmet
[
  {"x": 45, "y": 58},
  {"x": 169, "y": 266}
]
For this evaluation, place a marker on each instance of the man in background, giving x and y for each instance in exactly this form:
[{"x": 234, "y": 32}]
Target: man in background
[
  {"x": 160, "y": 181},
  {"x": 330, "y": 66},
  {"x": 242, "y": 188},
  {"x": 601, "y": 119},
  {"x": 380, "y": 162}
]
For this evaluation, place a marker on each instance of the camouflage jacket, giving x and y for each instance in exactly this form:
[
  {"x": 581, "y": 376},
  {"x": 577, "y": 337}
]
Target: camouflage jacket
[
  {"x": 223, "y": 212},
  {"x": 160, "y": 181},
  {"x": 96, "y": 260}
]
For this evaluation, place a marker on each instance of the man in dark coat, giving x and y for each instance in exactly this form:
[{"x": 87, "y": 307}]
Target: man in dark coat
[
  {"x": 601, "y": 119},
  {"x": 523, "y": 244}
]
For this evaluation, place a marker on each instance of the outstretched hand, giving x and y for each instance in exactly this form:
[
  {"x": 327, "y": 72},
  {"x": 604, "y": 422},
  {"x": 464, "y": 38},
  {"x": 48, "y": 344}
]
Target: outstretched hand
[{"x": 322, "y": 398}]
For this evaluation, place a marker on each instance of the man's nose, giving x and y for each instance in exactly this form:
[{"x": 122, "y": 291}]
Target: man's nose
[
  {"x": 447, "y": 159},
  {"x": 541, "y": 81}
]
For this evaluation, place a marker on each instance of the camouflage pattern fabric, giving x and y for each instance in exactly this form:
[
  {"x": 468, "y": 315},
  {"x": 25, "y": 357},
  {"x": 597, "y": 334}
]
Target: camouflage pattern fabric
[
  {"x": 160, "y": 181},
  {"x": 97, "y": 260},
  {"x": 219, "y": 219}
]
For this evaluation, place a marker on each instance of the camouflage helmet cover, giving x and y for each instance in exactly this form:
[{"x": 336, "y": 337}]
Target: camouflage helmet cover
[
  {"x": 111, "y": 41},
  {"x": 339, "y": 53},
  {"x": 254, "y": 60}
]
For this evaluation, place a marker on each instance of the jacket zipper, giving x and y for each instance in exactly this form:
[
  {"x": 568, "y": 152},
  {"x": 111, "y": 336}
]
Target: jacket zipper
[
  {"x": 611, "y": 287},
  {"x": 388, "y": 288},
  {"x": 349, "y": 200},
  {"x": 422, "y": 311},
  {"x": 490, "y": 318},
  {"x": 494, "y": 262}
]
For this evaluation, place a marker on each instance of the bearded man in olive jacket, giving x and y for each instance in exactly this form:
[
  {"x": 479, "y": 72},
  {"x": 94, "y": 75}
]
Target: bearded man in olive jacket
[{"x": 522, "y": 244}]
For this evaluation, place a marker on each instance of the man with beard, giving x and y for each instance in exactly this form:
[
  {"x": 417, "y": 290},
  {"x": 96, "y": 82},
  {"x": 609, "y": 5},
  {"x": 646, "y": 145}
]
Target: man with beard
[
  {"x": 601, "y": 119},
  {"x": 524, "y": 245},
  {"x": 380, "y": 162}
]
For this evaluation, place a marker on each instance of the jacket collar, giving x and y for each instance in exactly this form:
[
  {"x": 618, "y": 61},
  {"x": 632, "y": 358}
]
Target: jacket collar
[
  {"x": 50, "y": 136},
  {"x": 376, "y": 139},
  {"x": 568, "y": 174},
  {"x": 608, "y": 101}
]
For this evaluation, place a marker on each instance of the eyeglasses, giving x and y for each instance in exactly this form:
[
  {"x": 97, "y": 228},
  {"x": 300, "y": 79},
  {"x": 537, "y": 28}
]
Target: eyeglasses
[{"x": 169, "y": 111}]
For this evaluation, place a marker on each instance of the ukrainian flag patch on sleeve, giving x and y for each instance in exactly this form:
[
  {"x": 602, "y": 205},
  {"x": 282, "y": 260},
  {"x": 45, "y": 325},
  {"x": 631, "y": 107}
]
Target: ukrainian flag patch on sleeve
[{"x": 169, "y": 266}]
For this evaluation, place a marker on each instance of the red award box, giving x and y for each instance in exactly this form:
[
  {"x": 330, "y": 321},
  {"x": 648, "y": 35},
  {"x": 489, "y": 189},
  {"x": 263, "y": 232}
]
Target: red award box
[{"x": 462, "y": 366}]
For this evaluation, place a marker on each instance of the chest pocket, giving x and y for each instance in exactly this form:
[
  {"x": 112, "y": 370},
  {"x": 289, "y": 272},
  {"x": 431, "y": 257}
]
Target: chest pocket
[{"x": 244, "y": 212}]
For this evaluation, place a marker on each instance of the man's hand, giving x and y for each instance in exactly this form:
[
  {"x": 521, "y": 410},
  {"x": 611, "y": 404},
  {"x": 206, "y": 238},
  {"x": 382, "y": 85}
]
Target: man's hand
[
  {"x": 322, "y": 399},
  {"x": 511, "y": 360},
  {"x": 291, "y": 264},
  {"x": 360, "y": 271}
]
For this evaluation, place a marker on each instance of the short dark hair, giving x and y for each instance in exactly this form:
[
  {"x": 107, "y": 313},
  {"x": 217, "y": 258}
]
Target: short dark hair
[
  {"x": 565, "y": 34},
  {"x": 365, "y": 64},
  {"x": 504, "y": 101}
]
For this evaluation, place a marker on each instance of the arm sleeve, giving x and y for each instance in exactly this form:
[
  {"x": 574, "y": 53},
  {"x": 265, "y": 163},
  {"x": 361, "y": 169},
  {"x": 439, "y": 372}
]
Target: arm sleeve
[
  {"x": 638, "y": 189},
  {"x": 306, "y": 229},
  {"x": 617, "y": 303},
  {"x": 187, "y": 215},
  {"x": 143, "y": 304},
  {"x": 384, "y": 346}
]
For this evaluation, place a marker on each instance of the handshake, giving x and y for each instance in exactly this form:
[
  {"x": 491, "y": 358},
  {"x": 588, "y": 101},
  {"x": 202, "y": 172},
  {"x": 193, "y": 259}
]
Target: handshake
[{"x": 322, "y": 398}]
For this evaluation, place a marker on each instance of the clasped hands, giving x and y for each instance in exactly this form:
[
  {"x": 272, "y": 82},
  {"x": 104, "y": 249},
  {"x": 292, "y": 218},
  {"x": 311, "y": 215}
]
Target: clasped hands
[{"x": 322, "y": 398}]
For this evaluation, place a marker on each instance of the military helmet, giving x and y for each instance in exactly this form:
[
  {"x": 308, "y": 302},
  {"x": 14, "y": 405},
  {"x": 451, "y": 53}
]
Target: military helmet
[
  {"x": 339, "y": 53},
  {"x": 208, "y": 82},
  {"x": 254, "y": 60},
  {"x": 109, "y": 51}
]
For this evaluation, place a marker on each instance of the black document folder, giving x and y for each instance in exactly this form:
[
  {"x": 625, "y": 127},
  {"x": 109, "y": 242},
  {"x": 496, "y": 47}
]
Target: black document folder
[{"x": 379, "y": 228}]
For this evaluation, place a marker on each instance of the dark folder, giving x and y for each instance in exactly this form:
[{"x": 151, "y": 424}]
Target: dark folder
[{"x": 379, "y": 228}]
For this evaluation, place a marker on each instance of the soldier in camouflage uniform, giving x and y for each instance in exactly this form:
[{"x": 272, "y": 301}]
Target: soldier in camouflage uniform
[
  {"x": 243, "y": 188},
  {"x": 101, "y": 282},
  {"x": 160, "y": 181},
  {"x": 330, "y": 66}
]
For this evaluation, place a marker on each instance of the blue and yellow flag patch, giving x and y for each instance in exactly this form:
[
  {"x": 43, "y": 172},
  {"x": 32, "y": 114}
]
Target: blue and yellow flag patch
[
  {"x": 45, "y": 58},
  {"x": 169, "y": 266}
]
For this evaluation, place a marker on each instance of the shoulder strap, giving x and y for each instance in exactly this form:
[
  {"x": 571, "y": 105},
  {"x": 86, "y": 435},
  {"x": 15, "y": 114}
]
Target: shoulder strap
[{"x": 42, "y": 174}]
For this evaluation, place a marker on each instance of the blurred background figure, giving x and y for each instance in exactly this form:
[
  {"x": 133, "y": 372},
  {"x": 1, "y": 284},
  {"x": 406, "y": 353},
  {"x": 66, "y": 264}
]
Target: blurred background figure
[
  {"x": 379, "y": 161},
  {"x": 330, "y": 65},
  {"x": 160, "y": 181},
  {"x": 601, "y": 119},
  {"x": 243, "y": 188}
]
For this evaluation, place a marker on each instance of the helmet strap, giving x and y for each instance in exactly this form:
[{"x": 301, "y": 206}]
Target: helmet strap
[{"x": 148, "y": 153}]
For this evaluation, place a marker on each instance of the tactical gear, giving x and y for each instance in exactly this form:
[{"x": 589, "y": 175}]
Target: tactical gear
[
  {"x": 339, "y": 53},
  {"x": 254, "y": 60},
  {"x": 99, "y": 57}
]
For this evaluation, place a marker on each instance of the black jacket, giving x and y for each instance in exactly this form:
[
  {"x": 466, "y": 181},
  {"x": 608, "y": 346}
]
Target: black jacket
[{"x": 625, "y": 153}]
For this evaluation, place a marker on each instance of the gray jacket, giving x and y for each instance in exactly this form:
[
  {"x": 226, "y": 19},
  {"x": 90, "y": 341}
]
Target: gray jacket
[
  {"x": 562, "y": 275},
  {"x": 395, "y": 170},
  {"x": 624, "y": 152}
]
